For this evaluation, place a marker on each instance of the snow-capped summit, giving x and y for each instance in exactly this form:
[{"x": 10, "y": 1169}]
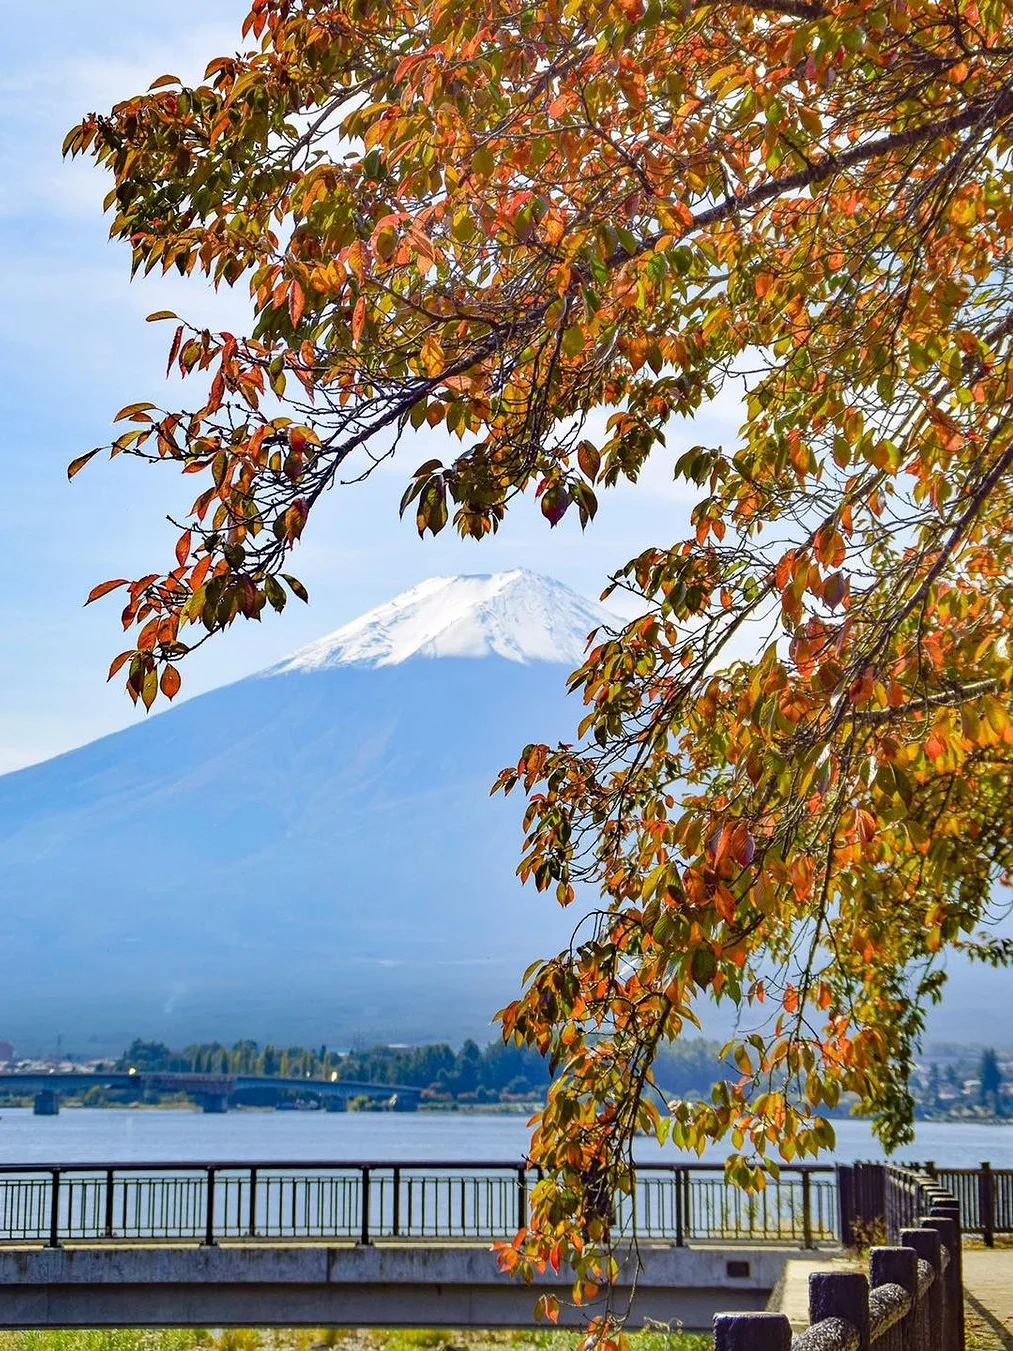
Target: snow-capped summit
[
  {"x": 312, "y": 856},
  {"x": 518, "y": 615}
]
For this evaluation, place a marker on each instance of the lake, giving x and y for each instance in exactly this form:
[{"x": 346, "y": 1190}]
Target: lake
[{"x": 111, "y": 1135}]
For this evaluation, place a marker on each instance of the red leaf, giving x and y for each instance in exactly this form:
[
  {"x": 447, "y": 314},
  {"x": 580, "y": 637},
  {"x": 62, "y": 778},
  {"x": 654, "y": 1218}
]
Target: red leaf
[
  {"x": 555, "y": 503},
  {"x": 183, "y": 547}
]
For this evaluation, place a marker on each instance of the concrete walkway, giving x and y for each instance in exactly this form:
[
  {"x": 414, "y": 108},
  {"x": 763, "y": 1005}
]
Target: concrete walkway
[
  {"x": 791, "y": 1295},
  {"x": 988, "y": 1298},
  {"x": 988, "y": 1293}
]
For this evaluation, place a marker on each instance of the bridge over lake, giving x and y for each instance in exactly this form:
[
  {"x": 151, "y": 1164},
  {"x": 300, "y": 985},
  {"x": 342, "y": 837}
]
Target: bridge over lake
[{"x": 213, "y": 1092}]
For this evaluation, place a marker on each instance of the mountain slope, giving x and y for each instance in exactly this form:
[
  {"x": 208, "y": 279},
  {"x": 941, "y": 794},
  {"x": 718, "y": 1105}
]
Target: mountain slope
[{"x": 311, "y": 853}]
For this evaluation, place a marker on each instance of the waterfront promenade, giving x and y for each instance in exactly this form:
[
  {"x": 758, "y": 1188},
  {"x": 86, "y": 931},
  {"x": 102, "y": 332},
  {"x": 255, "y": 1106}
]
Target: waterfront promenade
[
  {"x": 374, "y": 1243},
  {"x": 988, "y": 1298}
]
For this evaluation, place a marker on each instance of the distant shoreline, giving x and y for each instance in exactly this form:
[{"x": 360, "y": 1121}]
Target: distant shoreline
[
  {"x": 524, "y": 1109},
  {"x": 508, "y": 1109}
]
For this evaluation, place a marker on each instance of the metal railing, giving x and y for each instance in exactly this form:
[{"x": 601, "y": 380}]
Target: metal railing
[
  {"x": 217, "y": 1202},
  {"x": 985, "y": 1196},
  {"x": 878, "y": 1200}
]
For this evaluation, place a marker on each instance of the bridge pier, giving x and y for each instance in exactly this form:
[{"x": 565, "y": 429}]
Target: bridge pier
[
  {"x": 215, "y": 1104},
  {"x": 47, "y": 1103},
  {"x": 335, "y": 1104}
]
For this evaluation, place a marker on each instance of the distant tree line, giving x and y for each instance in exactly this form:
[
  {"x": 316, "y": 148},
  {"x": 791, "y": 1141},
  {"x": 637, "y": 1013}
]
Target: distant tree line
[
  {"x": 471, "y": 1073},
  {"x": 487, "y": 1074}
]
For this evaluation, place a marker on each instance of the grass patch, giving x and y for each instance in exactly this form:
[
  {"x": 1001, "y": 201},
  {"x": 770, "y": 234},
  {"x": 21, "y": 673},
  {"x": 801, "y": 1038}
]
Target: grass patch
[
  {"x": 432, "y": 1339},
  {"x": 110, "y": 1339},
  {"x": 331, "y": 1339}
]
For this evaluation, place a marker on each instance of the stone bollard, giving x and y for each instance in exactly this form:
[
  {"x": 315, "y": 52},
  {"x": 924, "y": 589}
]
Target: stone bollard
[
  {"x": 841, "y": 1294},
  {"x": 953, "y": 1302},
  {"x": 897, "y": 1267},
  {"x": 926, "y": 1246},
  {"x": 950, "y": 1208},
  {"x": 752, "y": 1332}
]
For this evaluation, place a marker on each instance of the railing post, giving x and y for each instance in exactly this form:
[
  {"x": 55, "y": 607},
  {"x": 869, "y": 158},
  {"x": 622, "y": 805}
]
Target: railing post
[
  {"x": 209, "y": 1210},
  {"x": 807, "y": 1211},
  {"x": 986, "y": 1204},
  {"x": 522, "y": 1197},
  {"x": 680, "y": 1224},
  {"x": 752, "y": 1332},
  {"x": 253, "y": 1203},
  {"x": 54, "y": 1209},
  {"x": 841, "y": 1294},
  {"x": 687, "y": 1204},
  {"x": 364, "y": 1209},
  {"x": 846, "y": 1203},
  {"x": 110, "y": 1192},
  {"x": 926, "y": 1247},
  {"x": 397, "y": 1201}
]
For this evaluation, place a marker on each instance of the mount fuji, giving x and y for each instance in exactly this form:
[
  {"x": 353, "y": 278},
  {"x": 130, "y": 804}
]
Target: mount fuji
[{"x": 310, "y": 854}]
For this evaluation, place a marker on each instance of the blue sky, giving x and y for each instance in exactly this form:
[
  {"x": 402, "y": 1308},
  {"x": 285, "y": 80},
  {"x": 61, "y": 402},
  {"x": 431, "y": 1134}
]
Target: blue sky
[{"x": 76, "y": 348}]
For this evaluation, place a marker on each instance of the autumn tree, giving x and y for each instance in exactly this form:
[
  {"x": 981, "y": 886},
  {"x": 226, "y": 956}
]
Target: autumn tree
[{"x": 790, "y": 789}]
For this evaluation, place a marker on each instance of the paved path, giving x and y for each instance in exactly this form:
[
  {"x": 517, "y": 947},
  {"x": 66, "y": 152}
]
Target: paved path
[
  {"x": 988, "y": 1298},
  {"x": 792, "y": 1294},
  {"x": 988, "y": 1294}
]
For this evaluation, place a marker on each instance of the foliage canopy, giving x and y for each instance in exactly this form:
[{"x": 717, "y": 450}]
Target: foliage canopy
[{"x": 791, "y": 788}]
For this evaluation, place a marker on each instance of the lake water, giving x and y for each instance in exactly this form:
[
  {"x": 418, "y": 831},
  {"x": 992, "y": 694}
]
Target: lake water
[{"x": 79, "y": 1135}]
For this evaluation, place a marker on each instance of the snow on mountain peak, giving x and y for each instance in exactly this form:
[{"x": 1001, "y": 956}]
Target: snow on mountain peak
[{"x": 518, "y": 615}]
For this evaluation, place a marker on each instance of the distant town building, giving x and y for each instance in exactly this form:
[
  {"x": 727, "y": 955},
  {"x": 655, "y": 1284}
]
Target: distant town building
[{"x": 6, "y": 1052}]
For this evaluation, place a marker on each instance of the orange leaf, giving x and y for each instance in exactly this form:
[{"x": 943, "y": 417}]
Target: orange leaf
[
  {"x": 296, "y": 303},
  {"x": 171, "y": 682},
  {"x": 77, "y": 465},
  {"x": 200, "y": 572},
  {"x": 358, "y": 319},
  {"x": 183, "y": 547},
  {"x": 119, "y": 661},
  {"x": 103, "y": 589},
  {"x": 783, "y": 571},
  {"x": 865, "y": 824},
  {"x": 935, "y": 747}
]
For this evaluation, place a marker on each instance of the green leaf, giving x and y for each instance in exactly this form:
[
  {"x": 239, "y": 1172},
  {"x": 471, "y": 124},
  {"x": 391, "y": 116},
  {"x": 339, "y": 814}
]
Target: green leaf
[{"x": 296, "y": 587}]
